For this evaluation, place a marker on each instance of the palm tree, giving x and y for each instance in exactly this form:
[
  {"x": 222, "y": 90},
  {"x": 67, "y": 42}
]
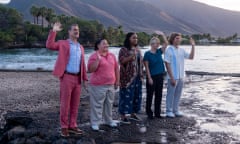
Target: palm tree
[
  {"x": 49, "y": 16},
  {"x": 38, "y": 13},
  {"x": 34, "y": 12},
  {"x": 53, "y": 20},
  {"x": 62, "y": 18},
  {"x": 43, "y": 14}
]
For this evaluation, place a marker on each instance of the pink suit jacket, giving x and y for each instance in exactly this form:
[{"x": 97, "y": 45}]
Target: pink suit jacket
[{"x": 63, "y": 48}]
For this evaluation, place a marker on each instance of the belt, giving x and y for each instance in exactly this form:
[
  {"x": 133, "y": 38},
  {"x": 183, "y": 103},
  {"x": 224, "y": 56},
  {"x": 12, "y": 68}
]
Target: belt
[{"x": 74, "y": 74}]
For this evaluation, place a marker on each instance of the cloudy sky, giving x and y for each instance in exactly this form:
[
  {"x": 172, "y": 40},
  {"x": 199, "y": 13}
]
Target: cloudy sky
[
  {"x": 4, "y": 1},
  {"x": 226, "y": 4}
]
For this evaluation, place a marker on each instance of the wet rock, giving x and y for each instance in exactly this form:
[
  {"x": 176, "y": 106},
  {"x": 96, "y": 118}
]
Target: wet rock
[
  {"x": 16, "y": 132},
  {"x": 220, "y": 112},
  {"x": 35, "y": 140},
  {"x": 12, "y": 134},
  {"x": 39, "y": 69},
  {"x": 30, "y": 133},
  {"x": 17, "y": 119},
  {"x": 61, "y": 141},
  {"x": 53, "y": 137},
  {"x": 18, "y": 141},
  {"x": 84, "y": 141}
]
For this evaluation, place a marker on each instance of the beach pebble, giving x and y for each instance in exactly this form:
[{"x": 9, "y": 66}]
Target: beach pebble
[{"x": 143, "y": 129}]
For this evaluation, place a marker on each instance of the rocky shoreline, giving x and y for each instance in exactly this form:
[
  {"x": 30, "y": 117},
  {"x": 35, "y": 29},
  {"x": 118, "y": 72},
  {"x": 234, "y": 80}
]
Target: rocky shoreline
[{"x": 29, "y": 113}]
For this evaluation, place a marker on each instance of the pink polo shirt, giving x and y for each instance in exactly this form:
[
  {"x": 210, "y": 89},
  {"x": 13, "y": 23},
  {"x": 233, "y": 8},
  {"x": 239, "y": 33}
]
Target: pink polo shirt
[{"x": 105, "y": 73}]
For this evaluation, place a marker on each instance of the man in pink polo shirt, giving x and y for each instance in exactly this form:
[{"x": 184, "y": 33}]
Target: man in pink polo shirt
[{"x": 104, "y": 78}]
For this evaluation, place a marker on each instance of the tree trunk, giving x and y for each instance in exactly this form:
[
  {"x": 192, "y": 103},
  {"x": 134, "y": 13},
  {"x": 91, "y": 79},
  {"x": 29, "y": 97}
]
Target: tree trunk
[{"x": 42, "y": 22}]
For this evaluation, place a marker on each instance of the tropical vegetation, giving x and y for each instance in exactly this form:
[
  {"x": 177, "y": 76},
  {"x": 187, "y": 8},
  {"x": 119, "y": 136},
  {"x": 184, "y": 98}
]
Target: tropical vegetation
[{"x": 16, "y": 32}]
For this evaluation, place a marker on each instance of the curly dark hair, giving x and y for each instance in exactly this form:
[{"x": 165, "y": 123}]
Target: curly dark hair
[{"x": 127, "y": 43}]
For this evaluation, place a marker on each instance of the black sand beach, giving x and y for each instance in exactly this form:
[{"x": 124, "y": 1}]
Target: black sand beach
[{"x": 29, "y": 113}]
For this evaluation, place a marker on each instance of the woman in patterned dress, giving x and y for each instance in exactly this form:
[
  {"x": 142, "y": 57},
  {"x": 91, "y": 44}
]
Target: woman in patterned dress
[{"x": 131, "y": 72}]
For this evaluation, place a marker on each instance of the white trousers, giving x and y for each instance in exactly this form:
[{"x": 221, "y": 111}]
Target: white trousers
[{"x": 173, "y": 96}]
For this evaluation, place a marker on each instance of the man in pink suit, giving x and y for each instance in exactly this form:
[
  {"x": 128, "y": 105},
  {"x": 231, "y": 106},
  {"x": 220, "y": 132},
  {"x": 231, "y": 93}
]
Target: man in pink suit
[{"x": 70, "y": 69}]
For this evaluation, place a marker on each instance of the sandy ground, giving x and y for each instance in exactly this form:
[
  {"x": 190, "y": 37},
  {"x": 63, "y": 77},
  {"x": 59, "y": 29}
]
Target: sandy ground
[{"x": 211, "y": 105}]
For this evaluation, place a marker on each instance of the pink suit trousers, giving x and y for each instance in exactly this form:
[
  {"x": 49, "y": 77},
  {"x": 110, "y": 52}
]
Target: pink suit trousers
[{"x": 70, "y": 89}]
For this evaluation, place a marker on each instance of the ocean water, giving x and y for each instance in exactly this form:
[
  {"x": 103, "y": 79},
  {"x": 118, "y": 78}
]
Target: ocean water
[{"x": 217, "y": 59}]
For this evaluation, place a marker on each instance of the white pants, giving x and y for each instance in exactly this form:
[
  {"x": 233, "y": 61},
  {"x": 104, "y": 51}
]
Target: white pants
[
  {"x": 173, "y": 96},
  {"x": 101, "y": 102}
]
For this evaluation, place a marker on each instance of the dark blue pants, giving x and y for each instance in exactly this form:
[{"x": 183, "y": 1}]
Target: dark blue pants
[{"x": 131, "y": 97}]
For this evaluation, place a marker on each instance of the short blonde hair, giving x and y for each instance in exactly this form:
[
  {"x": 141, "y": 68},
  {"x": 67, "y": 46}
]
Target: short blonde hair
[{"x": 154, "y": 40}]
